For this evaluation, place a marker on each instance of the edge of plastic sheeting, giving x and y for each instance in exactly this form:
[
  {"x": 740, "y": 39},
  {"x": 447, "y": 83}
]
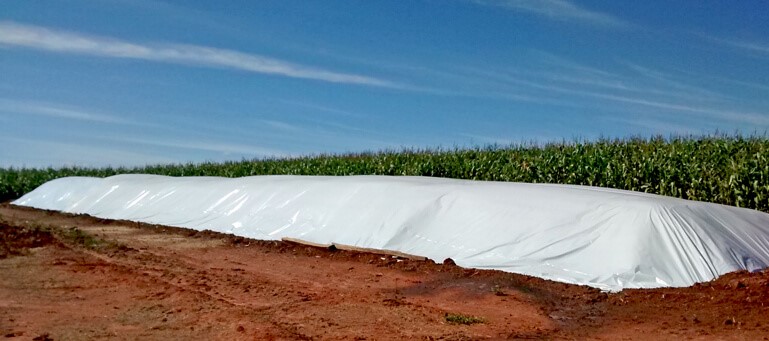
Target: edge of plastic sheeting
[
  {"x": 337, "y": 246},
  {"x": 605, "y": 238}
]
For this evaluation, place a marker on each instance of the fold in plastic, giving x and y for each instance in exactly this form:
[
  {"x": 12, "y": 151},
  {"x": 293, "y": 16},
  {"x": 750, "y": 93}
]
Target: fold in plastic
[{"x": 604, "y": 238}]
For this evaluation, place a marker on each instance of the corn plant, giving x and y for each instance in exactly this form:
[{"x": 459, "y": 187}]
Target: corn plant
[{"x": 730, "y": 170}]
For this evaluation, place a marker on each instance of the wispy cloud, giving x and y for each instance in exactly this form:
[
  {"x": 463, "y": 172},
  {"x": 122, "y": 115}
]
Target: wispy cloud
[
  {"x": 48, "y": 153},
  {"x": 727, "y": 112},
  {"x": 209, "y": 146},
  {"x": 322, "y": 108},
  {"x": 54, "y": 110},
  {"x": 656, "y": 82},
  {"x": 280, "y": 125},
  {"x": 41, "y": 38},
  {"x": 559, "y": 10},
  {"x": 668, "y": 81},
  {"x": 660, "y": 125},
  {"x": 750, "y": 46},
  {"x": 728, "y": 115},
  {"x": 757, "y": 86},
  {"x": 753, "y": 118},
  {"x": 567, "y": 64}
]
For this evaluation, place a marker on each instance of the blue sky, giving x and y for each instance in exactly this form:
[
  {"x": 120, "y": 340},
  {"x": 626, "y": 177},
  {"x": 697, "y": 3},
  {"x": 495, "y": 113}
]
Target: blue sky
[{"x": 125, "y": 83}]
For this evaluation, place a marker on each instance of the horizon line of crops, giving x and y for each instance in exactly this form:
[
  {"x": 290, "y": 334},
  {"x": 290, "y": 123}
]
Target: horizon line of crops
[{"x": 730, "y": 170}]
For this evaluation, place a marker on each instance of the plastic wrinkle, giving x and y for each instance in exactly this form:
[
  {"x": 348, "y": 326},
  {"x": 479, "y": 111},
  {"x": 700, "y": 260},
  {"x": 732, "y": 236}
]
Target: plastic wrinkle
[{"x": 605, "y": 238}]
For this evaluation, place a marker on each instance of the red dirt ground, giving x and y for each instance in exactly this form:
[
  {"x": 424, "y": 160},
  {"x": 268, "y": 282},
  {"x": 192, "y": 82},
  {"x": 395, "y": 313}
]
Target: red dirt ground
[{"x": 77, "y": 277}]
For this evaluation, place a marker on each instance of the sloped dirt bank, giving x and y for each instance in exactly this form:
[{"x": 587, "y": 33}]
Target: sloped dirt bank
[{"x": 78, "y": 277}]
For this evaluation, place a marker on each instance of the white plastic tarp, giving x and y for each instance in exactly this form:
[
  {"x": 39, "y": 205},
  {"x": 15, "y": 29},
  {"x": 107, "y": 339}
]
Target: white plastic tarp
[{"x": 605, "y": 238}]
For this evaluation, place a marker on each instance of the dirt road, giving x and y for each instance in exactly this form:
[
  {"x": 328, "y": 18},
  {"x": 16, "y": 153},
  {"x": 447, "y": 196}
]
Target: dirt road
[{"x": 66, "y": 277}]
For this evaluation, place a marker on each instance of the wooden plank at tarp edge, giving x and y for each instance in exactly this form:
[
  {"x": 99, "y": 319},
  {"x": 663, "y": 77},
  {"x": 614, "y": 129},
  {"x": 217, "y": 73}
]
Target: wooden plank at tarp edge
[
  {"x": 355, "y": 248},
  {"x": 379, "y": 251},
  {"x": 304, "y": 242}
]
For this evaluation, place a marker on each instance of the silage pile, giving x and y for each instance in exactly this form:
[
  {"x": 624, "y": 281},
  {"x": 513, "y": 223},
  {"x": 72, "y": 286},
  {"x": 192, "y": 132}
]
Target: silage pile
[{"x": 609, "y": 239}]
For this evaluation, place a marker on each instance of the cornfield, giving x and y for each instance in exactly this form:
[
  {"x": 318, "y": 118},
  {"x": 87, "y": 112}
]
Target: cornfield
[{"x": 726, "y": 170}]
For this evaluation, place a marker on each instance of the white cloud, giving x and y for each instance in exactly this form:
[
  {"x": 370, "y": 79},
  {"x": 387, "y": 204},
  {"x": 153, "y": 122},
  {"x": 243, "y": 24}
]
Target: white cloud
[
  {"x": 660, "y": 126},
  {"x": 210, "y": 146},
  {"x": 564, "y": 63},
  {"x": 753, "y": 118},
  {"x": 280, "y": 125},
  {"x": 755, "y": 47},
  {"x": 41, "y": 38},
  {"x": 22, "y": 152},
  {"x": 319, "y": 108},
  {"x": 559, "y": 10},
  {"x": 695, "y": 109},
  {"x": 668, "y": 81},
  {"x": 58, "y": 111}
]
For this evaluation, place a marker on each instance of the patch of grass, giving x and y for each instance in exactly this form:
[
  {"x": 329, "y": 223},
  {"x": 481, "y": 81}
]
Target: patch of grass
[
  {"x": 463, "y": 319},
  {"x": 497, "y": 290},
  {"x": 78, "y": 237},
  {"x": 81, "y": 238}
]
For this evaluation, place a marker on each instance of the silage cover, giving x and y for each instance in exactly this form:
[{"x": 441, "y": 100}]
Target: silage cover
[{"x": 604, "y": 238}]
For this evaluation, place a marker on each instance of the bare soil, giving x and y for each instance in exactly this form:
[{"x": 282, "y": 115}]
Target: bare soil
[{"x": 68, "y": 277}]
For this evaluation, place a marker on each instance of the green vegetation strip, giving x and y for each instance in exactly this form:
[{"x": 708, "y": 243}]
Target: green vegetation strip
[
  {"x": 462, "y": 319},
  {"x": 724, "y": 169}
]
